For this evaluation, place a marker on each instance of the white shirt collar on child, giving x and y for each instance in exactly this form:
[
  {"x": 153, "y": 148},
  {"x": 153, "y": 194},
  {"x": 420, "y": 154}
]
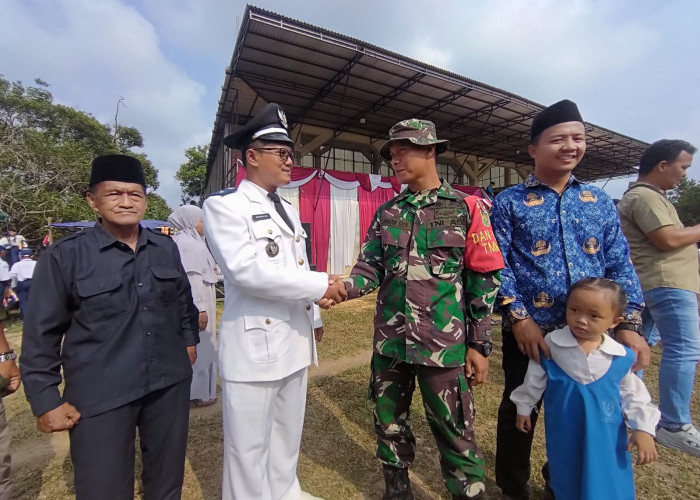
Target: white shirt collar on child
[{"x": 564, "y": 338}]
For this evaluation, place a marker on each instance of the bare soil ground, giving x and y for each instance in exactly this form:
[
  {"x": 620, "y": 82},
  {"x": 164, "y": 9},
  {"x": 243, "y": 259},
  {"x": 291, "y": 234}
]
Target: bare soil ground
[{"x": 337, "y": 459}]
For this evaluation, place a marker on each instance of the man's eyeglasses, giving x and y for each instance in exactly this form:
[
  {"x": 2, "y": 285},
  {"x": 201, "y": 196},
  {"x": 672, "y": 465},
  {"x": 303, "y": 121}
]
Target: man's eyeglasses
[{"x": 283, "y": 153}]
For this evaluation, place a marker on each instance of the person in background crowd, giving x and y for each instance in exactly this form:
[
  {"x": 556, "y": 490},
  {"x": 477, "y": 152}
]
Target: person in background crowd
[
  {"x": 10, "y": 381},
  {"x": 199, "y": 266},
  {"x": 270, "y": 325},
  {"x": 4, "y": 248},
  {"x": 437, "y": 285},
  {"x": 553, "y": 231},
  {"x": 589, "y": 395},
  {"x": 664, "y": 253},
  {"x": 21, "y": 274},
  {"x": 17, "y": 242},
  {"x": 111, "y": 313},
  {"x": 5, "y": 279},
  {"x": 489, "y": 189}
]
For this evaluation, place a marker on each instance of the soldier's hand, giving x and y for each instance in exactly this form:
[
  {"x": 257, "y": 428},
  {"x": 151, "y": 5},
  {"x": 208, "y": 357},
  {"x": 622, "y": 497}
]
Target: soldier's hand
[
  {"x": 318, "y": 333},
  {"x": 335, "y": 293},
  {"x": 61, "y": 418},
  {"x": 530, "y": 339},
  {"x": 642, "y": 353},
  {"x": 476, "y": 367},
  {"x": 338, "y": 282},
  {"x": 10, "y": 371}
]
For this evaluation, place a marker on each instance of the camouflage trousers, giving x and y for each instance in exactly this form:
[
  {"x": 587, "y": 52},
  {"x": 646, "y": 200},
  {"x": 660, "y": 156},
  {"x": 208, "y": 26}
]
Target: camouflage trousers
[{"x": 449, "y": 409}]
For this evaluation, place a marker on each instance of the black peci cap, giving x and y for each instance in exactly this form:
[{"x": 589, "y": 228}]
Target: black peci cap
[
  {"x": 122, "y": 168},
  {"x": 560, "y": 112}
]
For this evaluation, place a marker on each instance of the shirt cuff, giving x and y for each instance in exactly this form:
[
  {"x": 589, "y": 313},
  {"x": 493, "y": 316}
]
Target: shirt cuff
[
  {"x": 191, "y": 339},
  {"x": 46, "y": 400},
  {"x": 353, "y": 291},
  {"x": 517, "y": 313},
  {"x": 524, "y": 410},
  {"x": 479, "y": 330},
  {"x": 635, "y": 327}
]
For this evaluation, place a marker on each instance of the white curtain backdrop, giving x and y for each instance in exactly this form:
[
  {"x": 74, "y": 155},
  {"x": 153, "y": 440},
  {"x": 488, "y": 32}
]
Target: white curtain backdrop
[
  {"x": 303, "y": 181},
  {"x": 338, "y": 182},
  {"x": 345, "y": 223},
  {"x": 291, "y": 194}
]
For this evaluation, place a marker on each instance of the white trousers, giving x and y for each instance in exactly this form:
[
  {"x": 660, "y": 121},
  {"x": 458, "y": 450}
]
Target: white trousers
[{"x": 262, "y": 434}]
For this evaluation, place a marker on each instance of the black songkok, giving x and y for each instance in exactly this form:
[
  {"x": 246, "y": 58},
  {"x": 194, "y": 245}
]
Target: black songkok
[
  {"x": 120, "y": 168},
  {"x": 560, "y": 112}
]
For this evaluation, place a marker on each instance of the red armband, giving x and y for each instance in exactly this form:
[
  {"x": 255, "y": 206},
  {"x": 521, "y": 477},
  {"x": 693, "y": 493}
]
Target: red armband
[{"x": 481, "y": 252}]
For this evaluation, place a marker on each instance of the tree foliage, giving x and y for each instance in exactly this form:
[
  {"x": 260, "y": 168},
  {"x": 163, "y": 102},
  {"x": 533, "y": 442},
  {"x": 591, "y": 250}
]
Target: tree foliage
[
  {"x": 45, "y": 154},
  {"x": 686, "y": 199},
  {"x": 158, "y": 208},
  {"x": 192, "y": 173}
]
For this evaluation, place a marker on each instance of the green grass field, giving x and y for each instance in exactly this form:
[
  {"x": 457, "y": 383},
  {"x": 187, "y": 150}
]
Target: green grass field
[{"x": 337, "y": 456}]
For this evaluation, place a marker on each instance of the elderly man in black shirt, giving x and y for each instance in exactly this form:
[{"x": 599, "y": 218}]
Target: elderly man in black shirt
[{"x": 112, "y": 306}]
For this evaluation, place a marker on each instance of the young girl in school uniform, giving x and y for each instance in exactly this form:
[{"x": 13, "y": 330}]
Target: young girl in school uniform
[{"x": 589, "y": 395}]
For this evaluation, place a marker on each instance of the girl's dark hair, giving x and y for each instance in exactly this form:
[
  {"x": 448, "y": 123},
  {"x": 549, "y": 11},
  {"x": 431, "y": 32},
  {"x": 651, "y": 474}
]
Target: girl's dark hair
[{"x": 620, "y": 297}]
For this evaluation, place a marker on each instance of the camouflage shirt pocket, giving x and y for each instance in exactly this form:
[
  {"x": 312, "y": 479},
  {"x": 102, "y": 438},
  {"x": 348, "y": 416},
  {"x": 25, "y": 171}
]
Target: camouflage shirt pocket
[
  {"x": 395, "y": 243},
  {"x": 446, "y": 251}
]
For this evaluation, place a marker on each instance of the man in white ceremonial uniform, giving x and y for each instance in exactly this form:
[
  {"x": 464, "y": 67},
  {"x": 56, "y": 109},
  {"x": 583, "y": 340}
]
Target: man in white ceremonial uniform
[{"x": 270, "y": 323}]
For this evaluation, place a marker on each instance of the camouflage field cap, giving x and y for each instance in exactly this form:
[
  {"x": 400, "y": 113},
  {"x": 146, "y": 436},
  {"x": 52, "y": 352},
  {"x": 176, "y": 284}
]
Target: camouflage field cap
[{"x": 419, "y": 132}]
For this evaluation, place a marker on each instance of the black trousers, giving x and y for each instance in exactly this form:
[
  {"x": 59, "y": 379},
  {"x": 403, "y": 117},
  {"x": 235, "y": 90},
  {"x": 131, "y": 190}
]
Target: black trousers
[
  {"x": 102, "y": 447},
  {"x": 512, "y": 446}
]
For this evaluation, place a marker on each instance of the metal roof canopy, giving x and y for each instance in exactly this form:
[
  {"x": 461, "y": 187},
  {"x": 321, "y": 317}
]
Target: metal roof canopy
[{"x": 325, "y": 79}]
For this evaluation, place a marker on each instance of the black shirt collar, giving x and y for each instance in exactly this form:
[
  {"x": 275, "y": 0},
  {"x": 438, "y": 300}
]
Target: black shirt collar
[{"x": 105, "y": 238}]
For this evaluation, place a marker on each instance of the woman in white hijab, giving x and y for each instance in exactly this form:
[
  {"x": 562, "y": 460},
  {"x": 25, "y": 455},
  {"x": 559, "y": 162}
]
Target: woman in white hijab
[{"x": 200, "y": 268}]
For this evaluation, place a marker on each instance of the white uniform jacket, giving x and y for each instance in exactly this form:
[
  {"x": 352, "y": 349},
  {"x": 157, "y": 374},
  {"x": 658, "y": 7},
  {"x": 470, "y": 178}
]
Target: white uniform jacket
[{"x": 266, "y": 330}]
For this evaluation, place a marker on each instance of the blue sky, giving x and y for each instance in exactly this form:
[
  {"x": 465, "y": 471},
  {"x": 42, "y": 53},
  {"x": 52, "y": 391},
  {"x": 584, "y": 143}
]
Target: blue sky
[{"x": 630, "y": 65}]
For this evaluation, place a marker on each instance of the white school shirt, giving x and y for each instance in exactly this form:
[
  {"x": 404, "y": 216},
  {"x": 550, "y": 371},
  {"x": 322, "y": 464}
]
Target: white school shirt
[
  {"x": 4, "y": 271},
  {"x": 639, "y": 412},
  {"x": 22, "y": 270}
]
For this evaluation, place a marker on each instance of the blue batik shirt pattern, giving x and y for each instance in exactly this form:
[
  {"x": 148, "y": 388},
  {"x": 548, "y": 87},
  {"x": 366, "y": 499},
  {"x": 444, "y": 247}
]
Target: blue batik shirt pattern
[{"x": 549, "y": 242}]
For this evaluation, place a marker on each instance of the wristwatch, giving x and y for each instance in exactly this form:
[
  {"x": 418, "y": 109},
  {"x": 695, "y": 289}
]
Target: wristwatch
[
  {"x": 483, "y": 348},
  {"x": 8, "y": 356}
]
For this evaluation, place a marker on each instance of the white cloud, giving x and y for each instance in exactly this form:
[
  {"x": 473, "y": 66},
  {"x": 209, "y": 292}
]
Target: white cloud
[
  {"x": 94, "y": 52},
  {"x": 205, "y": 28},
  {"x": 627, "y": 63},
  {"x": 535, "y": 48},
  {"x": 425, "y": 50}
]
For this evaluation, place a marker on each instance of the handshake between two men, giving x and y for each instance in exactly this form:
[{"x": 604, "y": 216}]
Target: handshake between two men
[{"x": 335, "y": 293}]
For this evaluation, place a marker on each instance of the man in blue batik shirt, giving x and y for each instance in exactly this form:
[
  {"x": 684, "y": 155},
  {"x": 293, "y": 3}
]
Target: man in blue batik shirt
[{"x": 553, "y": 230}]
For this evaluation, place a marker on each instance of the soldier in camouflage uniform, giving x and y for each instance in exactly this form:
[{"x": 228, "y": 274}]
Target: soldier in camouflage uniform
[{"x": 435, "y": 259}]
